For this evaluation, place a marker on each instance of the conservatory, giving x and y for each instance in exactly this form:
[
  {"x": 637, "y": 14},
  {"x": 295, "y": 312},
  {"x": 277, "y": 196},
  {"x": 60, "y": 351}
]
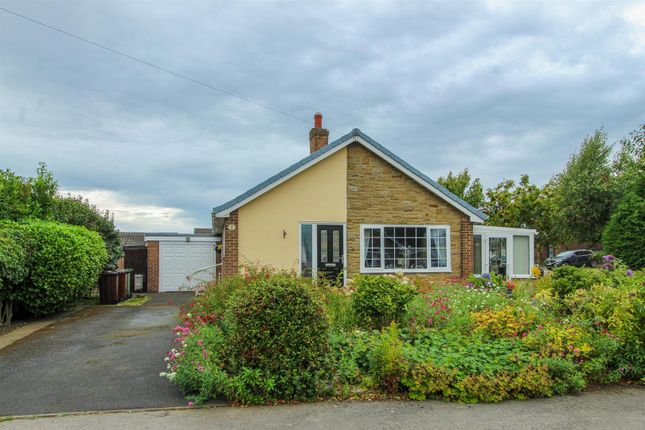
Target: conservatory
[{"x": 502, "y": 250}]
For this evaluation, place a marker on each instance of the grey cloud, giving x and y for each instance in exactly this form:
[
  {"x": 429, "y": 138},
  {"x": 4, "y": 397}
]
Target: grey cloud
[{"x": 500, "y": 87}]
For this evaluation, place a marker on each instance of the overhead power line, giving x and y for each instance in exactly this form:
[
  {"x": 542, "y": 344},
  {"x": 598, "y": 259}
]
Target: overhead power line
[{"x": 160, "y": 68}]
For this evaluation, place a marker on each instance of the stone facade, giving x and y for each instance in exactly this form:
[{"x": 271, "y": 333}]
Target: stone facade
[
  {"x": 230, "y": 254},
  {"x": 153, "y": 266},
  {"x": 378, "y": 193}
]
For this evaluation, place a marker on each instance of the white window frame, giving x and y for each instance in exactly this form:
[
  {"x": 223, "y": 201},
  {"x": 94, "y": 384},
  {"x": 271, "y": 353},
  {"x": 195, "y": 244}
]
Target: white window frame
[
  {"x": 314, "y": 243},
  {"x": 381, "y": 269}
]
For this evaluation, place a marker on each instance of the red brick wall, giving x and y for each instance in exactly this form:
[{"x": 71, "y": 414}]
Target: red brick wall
[
  {"x": 467, "y": 247},
  {"x": 230, "y": 256},
  {"x": 318, "y": 138},
  {"x": 153, "y": 267}
]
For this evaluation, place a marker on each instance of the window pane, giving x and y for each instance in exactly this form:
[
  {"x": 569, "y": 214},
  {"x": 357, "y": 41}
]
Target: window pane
[
  {"x": 478, "y": 254},
  {"x": 323, "y": 246},
  {"x": 305, "y": 250},
  {"x": 438, "y": 247},
  {"x": 336, "y": 246},
  {"x": 372, "y": 247},
  {"x": 405, "y": 248},
  {"x": 521, "y": 253}
]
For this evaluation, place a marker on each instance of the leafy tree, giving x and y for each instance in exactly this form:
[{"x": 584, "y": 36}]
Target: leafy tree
[
  {"x": 43, "y": 192},
  {"x": 22, "y": 197},
  {"x": 624, "y": 235},
  {"x": 629, "y": 163},
  {"x": 15, "y": 196},
  {"x": 522, "y": 204},
  {"x": 79, "y": 211},
  {"x": 460, "y": 184},
  {"x": 584, "y": 193}
]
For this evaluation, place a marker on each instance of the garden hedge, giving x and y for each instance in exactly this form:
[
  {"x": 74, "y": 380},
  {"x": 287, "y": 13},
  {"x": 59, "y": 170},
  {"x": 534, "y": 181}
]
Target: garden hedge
[{"x": 61, "y": 264}]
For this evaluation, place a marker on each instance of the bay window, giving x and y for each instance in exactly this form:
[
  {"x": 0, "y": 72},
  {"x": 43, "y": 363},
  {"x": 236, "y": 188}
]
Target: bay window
[{"x": 405, "y": 248}]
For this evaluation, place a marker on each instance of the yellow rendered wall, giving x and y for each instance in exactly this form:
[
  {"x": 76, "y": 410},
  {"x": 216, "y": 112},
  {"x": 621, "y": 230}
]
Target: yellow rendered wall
[{"x": 318, "y": 194}]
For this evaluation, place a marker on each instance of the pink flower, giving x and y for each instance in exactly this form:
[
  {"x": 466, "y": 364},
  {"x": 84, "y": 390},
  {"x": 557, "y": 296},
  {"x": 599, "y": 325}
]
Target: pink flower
[
  {"x": 200, "y": 342},
  {"x": 190, "y": 403},
  {"x": 430, "y": 321}
]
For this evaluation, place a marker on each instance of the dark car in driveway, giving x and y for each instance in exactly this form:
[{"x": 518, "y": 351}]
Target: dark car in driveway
[{"x": 576, "y": 257}]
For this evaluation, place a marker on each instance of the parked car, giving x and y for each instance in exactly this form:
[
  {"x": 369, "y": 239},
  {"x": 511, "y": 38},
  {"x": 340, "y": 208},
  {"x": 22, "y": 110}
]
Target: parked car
[{"x": 576, "y": 257}]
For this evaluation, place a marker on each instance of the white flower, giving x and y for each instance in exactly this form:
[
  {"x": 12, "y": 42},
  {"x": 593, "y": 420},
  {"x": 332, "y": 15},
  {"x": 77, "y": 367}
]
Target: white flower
[
  {"x": 189, "y": 315},
  {"x": 162, "y": 374},
  {"x": 167, "y": 359}
]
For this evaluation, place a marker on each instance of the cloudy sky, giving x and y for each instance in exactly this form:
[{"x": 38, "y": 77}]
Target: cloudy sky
[{"x": 500, "y": 87}]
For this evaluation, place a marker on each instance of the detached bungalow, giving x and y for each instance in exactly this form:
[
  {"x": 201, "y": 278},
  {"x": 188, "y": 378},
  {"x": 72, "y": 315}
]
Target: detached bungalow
[{"x": 352, "y": 206}]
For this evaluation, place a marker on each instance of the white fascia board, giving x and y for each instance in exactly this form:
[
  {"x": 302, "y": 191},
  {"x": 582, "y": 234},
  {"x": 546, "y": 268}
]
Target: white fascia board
[
  {"x": 479, "y": 229},
  {"x": 182, "y": 238}
]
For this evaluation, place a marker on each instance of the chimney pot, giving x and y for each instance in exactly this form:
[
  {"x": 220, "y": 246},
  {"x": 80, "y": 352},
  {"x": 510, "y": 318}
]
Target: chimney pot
[{"x": 318, "y": 120}]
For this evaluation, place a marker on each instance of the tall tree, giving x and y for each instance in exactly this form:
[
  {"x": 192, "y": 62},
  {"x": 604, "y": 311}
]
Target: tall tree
[
  {"x": 584, "y": 192},
  {"x": 522, "y": 204},
  {"x": 461, "y": 185},
  {"x": 629, "y": 164},
  {"x": 79, "y": 211},
  {"x": 624, "y": 235}
]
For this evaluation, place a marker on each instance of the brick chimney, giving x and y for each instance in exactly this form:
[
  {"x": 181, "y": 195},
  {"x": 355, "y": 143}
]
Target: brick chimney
[{"x": 318, "y": 136}]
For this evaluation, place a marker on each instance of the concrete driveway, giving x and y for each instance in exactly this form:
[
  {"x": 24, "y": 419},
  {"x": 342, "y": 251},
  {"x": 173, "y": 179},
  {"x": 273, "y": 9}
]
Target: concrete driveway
[{"x": 105, "y": 357}]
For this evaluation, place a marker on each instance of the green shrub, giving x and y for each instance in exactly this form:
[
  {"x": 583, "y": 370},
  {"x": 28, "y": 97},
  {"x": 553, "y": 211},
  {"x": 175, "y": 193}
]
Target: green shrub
[
  {"x": 620, "y": 312},
  {"x": 381, "y": 299},
  {"x": 64, "y": 263},
  {"x": 278, "y": 327},
  {"x": 13, "y": 269},
  {"x": 387, "y": 363},
  {"x": 347, "y": 352},
  {"x": 427, "y": 380},
  {"x": 212, "y": 302},
  {"x": 568, "y": 279},
  {"x": 565, "y": 375},
  {"x": 624, "y": 235},
  {"x": 338, "y": 307},
  {"x": 468, "y": 354}
]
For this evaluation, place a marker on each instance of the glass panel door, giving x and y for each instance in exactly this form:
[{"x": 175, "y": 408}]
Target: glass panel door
[
  {"x": 497, "y": 255},
  {"x": 330, "y": 251},
  {"x": 478, "y": 254}
]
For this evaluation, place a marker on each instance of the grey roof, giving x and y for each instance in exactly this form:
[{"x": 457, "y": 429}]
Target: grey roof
[
  {"x": 129, "y": 239},
  {"x": 338, "y": 142}
]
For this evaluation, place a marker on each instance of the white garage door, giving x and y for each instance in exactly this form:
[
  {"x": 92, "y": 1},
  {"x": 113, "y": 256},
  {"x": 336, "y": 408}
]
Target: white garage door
[{"x": 180, "y": 259}]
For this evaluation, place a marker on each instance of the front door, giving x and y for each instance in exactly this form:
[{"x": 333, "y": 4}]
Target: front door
[
  {"x": 497, "y": 255},
  {"x": 330, "y": 251}
]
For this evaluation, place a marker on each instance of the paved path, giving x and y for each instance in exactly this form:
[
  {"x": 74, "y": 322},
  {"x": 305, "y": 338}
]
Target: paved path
[
  {"x": 105, "y": 357},
  {"x": 615, "y": 408}
]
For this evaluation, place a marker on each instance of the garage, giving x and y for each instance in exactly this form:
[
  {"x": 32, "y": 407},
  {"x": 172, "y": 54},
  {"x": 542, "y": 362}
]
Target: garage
[{"x": 172, "y": 257}]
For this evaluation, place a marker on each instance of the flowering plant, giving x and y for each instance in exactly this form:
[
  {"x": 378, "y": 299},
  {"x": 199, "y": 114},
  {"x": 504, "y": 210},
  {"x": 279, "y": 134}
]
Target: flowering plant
[{"x": 486, "y": 281}]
